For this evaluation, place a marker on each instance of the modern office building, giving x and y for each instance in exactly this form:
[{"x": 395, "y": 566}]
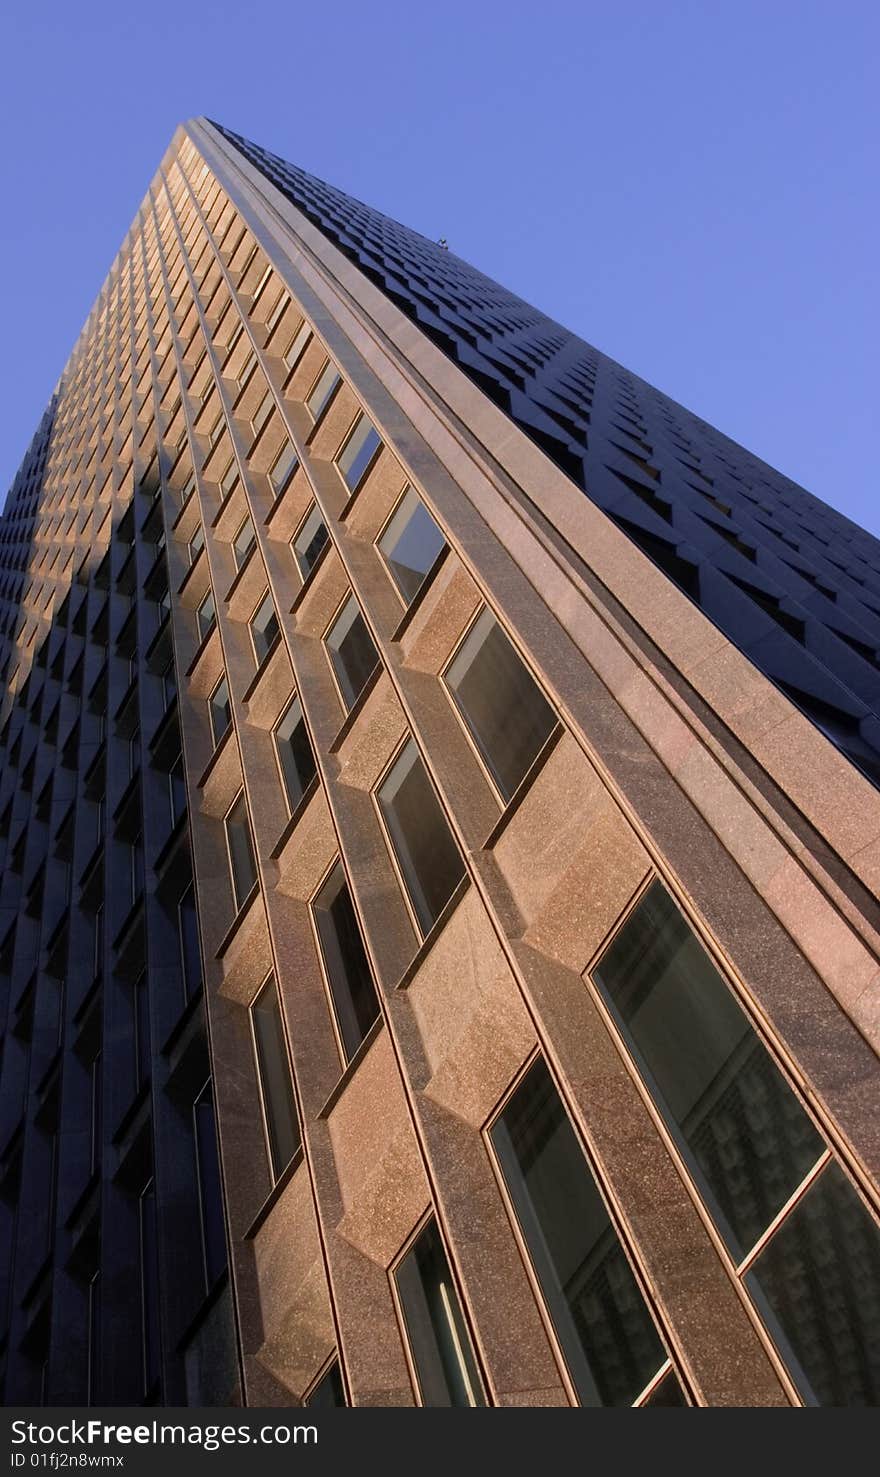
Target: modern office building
[{"x": 447, "y": 765}]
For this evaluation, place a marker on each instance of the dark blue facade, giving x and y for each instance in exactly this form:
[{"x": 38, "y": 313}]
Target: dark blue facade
[{"x": 793, "y": 583}]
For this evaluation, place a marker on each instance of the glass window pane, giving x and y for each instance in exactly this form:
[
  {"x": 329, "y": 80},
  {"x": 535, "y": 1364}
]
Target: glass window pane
[
  {"x": 358, "y": 452},
  {"x": 264, "y": 629},
  {"x": 412, "y": 543},
  {"x": 501, "y": 703},
  {"x": 324, "y": 389},
  {"x": 298, "y": 346},
  {"x": 219, "y": 711},
  {"x": 667, "y": 1394},
  {"x": 283, "y": 468},
  {"x": 438, "y": 1338},
  {"x": 295, "y": 753},
  {"x": 611, "y": 1345},
  {"x": 352, "y": 652},
  {"x": 329, "y": 1391},
  {"x": 749, "y": 1140},
  {"x": 273, "y": 1066},
  {"x": 241, "y": 852},
  {"x": 190, "y": 949},
  {"x": 820, "y": 1273},
  {"x": 205, "y": 616},
  {"x": 310, "y": 540},
  {"x": 429, "y": 858},
  {"x": 213, "y": 1228},
  {"x": 243, "y": 543},
  {"x": 345, "y": 958}
]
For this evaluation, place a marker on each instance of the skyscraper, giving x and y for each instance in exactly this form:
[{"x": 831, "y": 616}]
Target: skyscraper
[{"x": 450, "y": 766}]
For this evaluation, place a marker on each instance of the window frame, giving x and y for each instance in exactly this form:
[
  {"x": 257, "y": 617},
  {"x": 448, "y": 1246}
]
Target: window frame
[
  {"x": 464, "y": 881},
  {"x": 255, "y": 886},
  {"x": 400, "y": 1313},
  {"x": 834, "y": 1152},
  {"x": 594, "y": 1168},
  {"x": 352, "y": 492},
  {"x": 316, "y": 420},
  {"x": 281, "y": 1174},
  {"x": 316, "y": 777},
  {"x": 345, "y": 1060},
  {"x": 260, "y": 660},
  {"x": 430, "y": 574},
  {"x": 507, "y": 802},
  {"x": 349, "y": 707}
]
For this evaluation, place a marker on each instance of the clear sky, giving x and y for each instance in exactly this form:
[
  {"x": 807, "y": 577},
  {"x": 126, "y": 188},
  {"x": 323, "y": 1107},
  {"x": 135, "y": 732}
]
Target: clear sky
[{"x": 689, "y": 184}]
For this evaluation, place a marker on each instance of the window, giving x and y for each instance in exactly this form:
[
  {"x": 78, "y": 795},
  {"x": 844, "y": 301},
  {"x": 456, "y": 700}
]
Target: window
[
  {"x": 273, "y": 1071},
  {"x": 206, "y": 616},
  {"x": 297, "y": 348},
  {"x": 611, "y": 1346},
  {"x": 208, "y": 1170},
  {"x": 216, "y": 431},
  {"x": 310, "y": 539},
  {"x": 752, "y": 1151},
  {"x": 411, "y": 543},
  {"x": 242, "y": 867},
  {"x": 502, "y": 705},
  {"x": 436, "y": 1332},
  {"x": 423, "y": 843},
  {"x": 262, "y": 413},
  {"x": 358, "y": 453},
  {"x": 295, "y": 755},
  {"x": 283, "y": 468},
  {"x": 345, "y": 958},
  {"x": 243, "y": 543},
  {"x": 329, "y": 1391},
  {"x": 323, "y": 391},
  {"x": 352, "y": 652},
  {"x": 190, "y": 950},
  {"x": 229, "y": 480},
  {"x": 196, "y": 544},
  {"x": 274, "y": 317},
  {"x": 264, "y": 629},
  {"x": 219, "y": 710}
]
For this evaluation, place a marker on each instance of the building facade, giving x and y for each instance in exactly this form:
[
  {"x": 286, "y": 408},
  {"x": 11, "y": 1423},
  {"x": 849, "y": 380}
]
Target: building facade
[{"x": 439, "y": 843}]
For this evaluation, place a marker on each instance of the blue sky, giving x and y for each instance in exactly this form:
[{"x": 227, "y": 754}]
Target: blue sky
[{"x": 689, "y": 184}]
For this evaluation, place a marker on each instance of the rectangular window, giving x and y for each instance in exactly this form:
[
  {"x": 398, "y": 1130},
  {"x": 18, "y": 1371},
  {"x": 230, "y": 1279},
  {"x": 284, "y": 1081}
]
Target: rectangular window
[
  {"x": 242, "y": 866},
  {"x": 295, "y": 756},
  {"x": 244, "y": 543},
  {"x": 309, "y": 540},
  {"x": 429, "y": 859},
  {"x": 752, "y": 1151},
  {"x": 190, "y": 949},
  {"x": 283, "y": 468},
  {"x": 216, "y": 430},
  {"x": 611, "y": 1346},
  {"x": 264, "y": 628},
  {"x": 345, "y": 958},
  {"x": 297, "y": 347},
  {"x": 411, "y": 543},
  {"x": 438, "y": 1338},
  {"x": 359, "y": 452},
  {"x": 323, "y": 390},
  {"x": 196, "y": 544},
  {"x": 352, "y": 652},
  {"x": 206, "y": 616},
  {"x": 229, "y": 480},
  {"x": 210, "y": 1194},
  {"x": 329, "y": 1392},
  {"x": 262, "y": 413},
  {"x": 502, "y": 705},
  {"x": 273, "y": 1072},
  {"x": 277, "y": 312},
  {"x": 219, "y": 710}
]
